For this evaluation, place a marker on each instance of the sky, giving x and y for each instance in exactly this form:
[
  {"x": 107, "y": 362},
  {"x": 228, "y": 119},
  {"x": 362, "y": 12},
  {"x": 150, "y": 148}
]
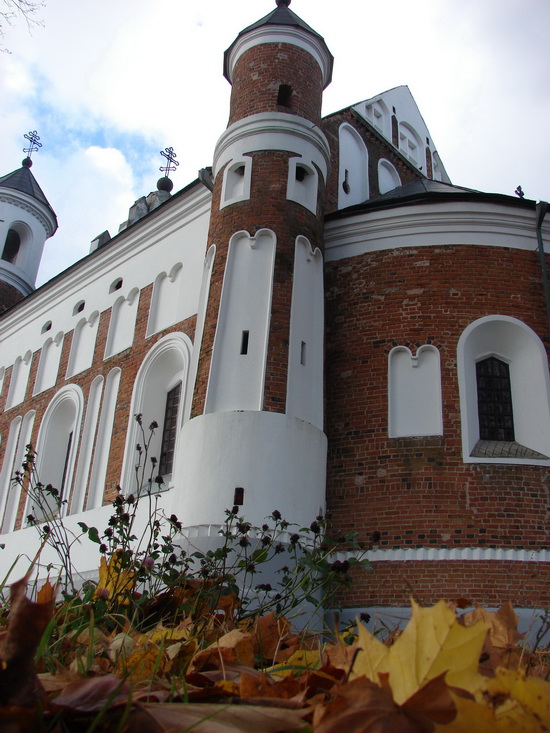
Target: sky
[{"x": 108, "y": 84}]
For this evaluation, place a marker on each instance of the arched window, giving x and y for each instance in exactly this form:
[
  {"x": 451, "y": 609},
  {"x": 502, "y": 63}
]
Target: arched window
[
  {"x": 57, "y": 448},
  {"x": 11, "y": 246},
  {"x": 159, "y": 396},
  {"x": 302, "y": 183},
  {"x": 236, "y": 182},
  {"x": 504, "y": 392}
]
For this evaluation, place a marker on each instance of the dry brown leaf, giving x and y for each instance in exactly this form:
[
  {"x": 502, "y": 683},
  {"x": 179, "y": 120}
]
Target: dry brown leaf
[
  {"x": 269, "y": 634},
  {"x": 499, "y": 649},
  {"x": 236, "y": 647},
  {"x": 206, "y": 718},
  {"x": 361, "y": 706},
  {"x": 27, "y": 622}
]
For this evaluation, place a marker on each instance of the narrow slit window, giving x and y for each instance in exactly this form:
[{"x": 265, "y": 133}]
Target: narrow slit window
[
  {"x": 301, "y": 173},
  {"x": 169, "y": 430},
  {"x": 284, "y": 95},
  {"x": 345, "y": 184},
  {"x": 494, "y": 400},
  {"x": 238, "y": 496},
  {"x": 244, "y": 342},
  {"x": 303, "y": 353}
]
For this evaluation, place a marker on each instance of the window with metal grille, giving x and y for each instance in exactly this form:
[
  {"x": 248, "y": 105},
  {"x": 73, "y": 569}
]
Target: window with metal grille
[
  {"x": 494, "y": 400},
  {"x": 169, "y": 430}
]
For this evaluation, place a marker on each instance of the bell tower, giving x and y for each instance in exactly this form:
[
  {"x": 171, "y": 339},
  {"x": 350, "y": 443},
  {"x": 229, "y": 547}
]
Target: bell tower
[
  {"x": 26, "y": 221},
  {"x": 255, "y": 437}
]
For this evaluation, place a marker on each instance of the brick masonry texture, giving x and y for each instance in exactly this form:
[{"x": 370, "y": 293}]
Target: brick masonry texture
[
  {"x": 261, "y": 70},
  {"x": 8, "y": 296},
  {"x": 490, "y": 583},
  {"x": 418, "y": 492},
  {"x": 128, "y": 361}
]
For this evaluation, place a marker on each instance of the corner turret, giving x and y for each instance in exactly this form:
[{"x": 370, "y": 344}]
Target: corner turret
[{"x": 26, "y": 221}]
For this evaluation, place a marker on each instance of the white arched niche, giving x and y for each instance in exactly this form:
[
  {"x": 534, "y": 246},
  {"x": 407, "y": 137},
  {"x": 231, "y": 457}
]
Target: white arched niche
[
  {"x": 237, "y": 177},
  {"x": 410, "y": 144},
  {"x": 302, "y": 183},
  {"x": 237, "y": 370},
  {"x": 388, "y": 177},
  {"x": 353, "y": 168},
  {"x": 83, "y": 345},
  {"x": 513, "y": 342},
  {"x": 304, "y": 398},
  {"x": 48, "y": 366},
  {"x": 103, "y": 440},
  {"x": 165, "y": 304},
  {"x": 165, "y": 366},
  {"x": 122, "y": 324},
  {"x": 12, "y": 494},
  {"x": 19, "y": 380},
  {"x": 57, "y": 448},
  {"x": 414, "y": 392}
]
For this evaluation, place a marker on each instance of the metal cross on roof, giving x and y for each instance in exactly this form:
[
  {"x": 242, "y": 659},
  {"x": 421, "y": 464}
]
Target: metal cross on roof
[
  {"x": 33, "y": 137},
  {"x": 170, "y": 156}
]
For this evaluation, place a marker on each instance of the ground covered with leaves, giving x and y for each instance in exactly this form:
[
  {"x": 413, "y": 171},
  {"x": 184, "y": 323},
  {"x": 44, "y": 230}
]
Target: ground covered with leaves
[{"x": 65, "y": 667}]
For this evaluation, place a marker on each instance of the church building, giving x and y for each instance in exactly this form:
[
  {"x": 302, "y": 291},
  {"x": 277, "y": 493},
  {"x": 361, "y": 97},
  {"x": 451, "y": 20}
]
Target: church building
[{"x": 320, "y": 322}]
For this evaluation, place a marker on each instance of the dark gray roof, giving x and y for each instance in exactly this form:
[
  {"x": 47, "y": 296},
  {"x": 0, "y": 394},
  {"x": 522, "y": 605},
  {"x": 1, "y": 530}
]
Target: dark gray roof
[
  {"x": 424, "y": 189},
  {"x": 280, "y": 16},
  {"x": 23, "y": 180}
]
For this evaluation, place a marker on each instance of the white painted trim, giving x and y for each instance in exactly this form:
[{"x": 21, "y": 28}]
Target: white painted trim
[
  {"x": 273, "y": 131},
  {"x": 228, "y": 186},
  {"x": 433, "y": 224},
  {"x": 32, "y": 206},
  {"x": 282, "y": 34},
  {"x": 446, "y": 554}
]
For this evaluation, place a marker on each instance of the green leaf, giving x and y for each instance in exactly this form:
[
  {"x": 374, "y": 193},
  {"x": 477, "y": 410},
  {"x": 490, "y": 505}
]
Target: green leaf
[
  {"x": 93, "y": 535},
  {"x": 83, "y": 527}
]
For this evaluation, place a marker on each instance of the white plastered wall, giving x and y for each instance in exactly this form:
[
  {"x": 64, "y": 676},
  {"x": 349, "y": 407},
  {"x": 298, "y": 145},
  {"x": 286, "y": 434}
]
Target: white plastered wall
[
  {"x": 237, "y": 370},
  {"x": 305, "y": 361},
  {"x": 278, "y": 460},
  {"x": 414, "y": 392},
  {"x": 353, "y": 168}
]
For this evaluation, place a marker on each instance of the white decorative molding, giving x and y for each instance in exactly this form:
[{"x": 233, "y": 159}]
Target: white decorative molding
[
  {"x": 446, "y": 554},
  {"x": 273, "y": 131},
  {"x": 433, "y": 224},
  {"x": 313, "y": 44},
  {"x": 31, "y": 206}
]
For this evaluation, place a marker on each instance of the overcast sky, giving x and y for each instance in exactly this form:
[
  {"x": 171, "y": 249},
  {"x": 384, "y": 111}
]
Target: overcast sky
[{"x": 109, "y": 83}]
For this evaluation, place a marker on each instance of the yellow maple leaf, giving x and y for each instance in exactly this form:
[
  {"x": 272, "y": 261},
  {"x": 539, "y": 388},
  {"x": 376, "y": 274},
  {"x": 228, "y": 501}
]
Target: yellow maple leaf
[
  {"x": 509, "y": 703},
  {"x": 299, "y": 661},
  {"x": 432, "y": 643},
  {"x": 115, "y": 583}
]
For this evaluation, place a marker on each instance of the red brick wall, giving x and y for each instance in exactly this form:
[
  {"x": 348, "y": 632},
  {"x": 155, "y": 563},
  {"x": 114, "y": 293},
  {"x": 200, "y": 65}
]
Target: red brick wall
[
  {"x": 258, "y": 74},
  {"x": 489, "y": 582},
  {"x": 128, "y": 361},
  {"x": 418, "y": 492},
  {"x": 8, "y": 296}
]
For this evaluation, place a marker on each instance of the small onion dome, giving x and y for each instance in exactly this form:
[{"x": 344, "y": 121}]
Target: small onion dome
[
  {"x": 26, "y": 163},
  {"x": 165, "y": 184},
  {"x": 282, "y": 2}
]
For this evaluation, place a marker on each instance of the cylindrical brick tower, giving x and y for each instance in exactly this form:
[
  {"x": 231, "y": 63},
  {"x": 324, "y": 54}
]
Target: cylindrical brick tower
[{"x": 255, "y": 437}]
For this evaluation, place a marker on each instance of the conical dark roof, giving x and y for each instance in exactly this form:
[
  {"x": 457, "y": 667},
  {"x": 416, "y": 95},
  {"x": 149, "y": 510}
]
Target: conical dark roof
[
  {"x": 281, "y": 16},
  {"x": 23, "y": 180}
]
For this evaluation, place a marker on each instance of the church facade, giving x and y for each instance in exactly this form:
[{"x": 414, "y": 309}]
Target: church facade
[{"x": 320, "y": 322}]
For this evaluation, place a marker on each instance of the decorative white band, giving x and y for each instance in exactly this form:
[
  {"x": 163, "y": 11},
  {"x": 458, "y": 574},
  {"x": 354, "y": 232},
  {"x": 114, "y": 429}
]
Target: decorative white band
[
  {"x": 442, "y": 554},
  {"x": 273, "y": 131},
  {"x": 282, "y": 34}
]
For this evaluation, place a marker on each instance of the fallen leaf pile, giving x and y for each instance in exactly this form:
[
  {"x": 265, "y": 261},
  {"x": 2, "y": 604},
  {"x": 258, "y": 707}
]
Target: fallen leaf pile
[{"x": 443, "y": 673}]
